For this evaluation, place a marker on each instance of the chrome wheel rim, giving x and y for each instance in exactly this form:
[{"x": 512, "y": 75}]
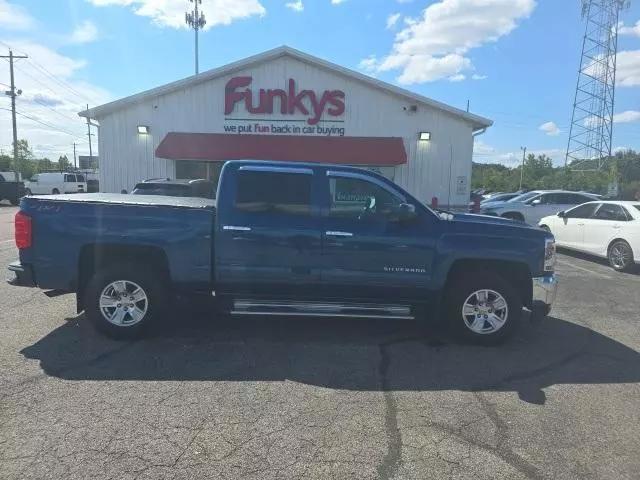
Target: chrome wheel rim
[
  {"x": 123, "y": 303},
  {"x": 485, "y": 312},
  {"x": 619, "y": 256}
]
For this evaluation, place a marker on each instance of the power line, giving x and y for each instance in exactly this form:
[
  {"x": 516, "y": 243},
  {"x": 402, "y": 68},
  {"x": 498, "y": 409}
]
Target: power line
[
  {"x": 55, "y": 111},
  {"x": 52, "y": 127},
  {"x": 58, "y": 80}
]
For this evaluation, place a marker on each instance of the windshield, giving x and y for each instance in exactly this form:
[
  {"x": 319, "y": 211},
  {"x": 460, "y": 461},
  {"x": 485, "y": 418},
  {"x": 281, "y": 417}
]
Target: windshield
[
  {"x": 171, "y": 190},
  {"x": 524, "y": 197}
]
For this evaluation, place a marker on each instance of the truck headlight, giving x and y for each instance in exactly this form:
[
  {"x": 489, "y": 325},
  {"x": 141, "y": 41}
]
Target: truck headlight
[{"x": 549, "y": 255}]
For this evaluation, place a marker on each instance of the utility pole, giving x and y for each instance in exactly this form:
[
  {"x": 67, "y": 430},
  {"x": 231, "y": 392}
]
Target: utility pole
[
  {"x": 196, "y": 21},
  {"x": 75, "y": 164},
  {"x": 13, "y": 93},
  {"x": 524, "y": 155}
]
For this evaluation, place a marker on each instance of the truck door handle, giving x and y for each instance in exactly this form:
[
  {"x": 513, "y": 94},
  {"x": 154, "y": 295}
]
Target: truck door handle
[
  {"x": 235, "y": 228},
  {"x": 332, "y": 233}
]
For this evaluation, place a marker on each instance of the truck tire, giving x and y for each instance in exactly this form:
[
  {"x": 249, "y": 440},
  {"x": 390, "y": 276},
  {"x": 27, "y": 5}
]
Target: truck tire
[
  {"x": 55, "y": 191},
  {"x": 14, "y": 201},
  {"x": 122, "y": 301},
  {"x": 483, "y": 308}
]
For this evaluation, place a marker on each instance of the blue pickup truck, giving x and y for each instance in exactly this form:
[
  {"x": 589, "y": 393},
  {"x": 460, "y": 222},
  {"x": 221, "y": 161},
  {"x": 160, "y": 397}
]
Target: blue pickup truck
[{"x": 286, "y": 239}]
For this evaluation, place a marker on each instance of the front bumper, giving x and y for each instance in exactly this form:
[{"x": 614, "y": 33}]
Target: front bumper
[
  {"x": 544, "y": 294},
  {"x": 20, "y": 275}
]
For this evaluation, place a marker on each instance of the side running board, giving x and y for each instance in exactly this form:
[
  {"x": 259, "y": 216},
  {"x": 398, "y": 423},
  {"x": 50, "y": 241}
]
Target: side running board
[{"x": 321, "y": 309}]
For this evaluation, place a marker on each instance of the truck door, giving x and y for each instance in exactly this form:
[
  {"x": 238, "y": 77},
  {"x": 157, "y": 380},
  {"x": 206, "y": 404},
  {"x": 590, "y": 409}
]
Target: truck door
[
  {"x": 367, "y": 251},
  {"x": 268, "y": 232}
]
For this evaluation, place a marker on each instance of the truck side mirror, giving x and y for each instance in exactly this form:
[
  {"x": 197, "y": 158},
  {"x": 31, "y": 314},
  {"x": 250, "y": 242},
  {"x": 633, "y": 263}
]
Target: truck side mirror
[
  {"x": 562, "y": 214},
  {"x": 406, "y": 212}
]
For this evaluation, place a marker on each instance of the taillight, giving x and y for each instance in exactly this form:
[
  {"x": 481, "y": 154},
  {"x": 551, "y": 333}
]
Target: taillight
[{"x": 23, "y": 230}]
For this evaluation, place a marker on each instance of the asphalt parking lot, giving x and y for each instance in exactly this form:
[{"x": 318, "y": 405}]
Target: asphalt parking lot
[{"x": 269, "y": 399}]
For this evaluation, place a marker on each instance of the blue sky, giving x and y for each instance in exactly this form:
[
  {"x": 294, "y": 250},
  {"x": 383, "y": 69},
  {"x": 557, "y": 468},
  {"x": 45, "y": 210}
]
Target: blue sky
[{"x": 514, "y": 60}]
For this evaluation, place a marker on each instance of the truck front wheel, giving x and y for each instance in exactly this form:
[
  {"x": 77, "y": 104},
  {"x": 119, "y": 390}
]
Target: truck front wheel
[
  {"x": 122, "y": 301},
  {"x": 483, "y": 308}
]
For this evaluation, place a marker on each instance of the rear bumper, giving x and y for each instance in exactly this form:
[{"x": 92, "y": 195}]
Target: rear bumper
[
  {"x": 544, "y": 294},
  {"x": 20, "y": 275}
]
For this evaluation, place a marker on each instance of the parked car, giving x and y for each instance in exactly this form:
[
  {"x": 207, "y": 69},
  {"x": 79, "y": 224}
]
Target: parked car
[
  {"x": 10, "y": 190},
  {"x": 176, "y": 188},
  {"x": 53, "y": 183},
  {"x": 607, "y": 229},
  {"x": 499, "y": 197},
  {"x": 286, "y": 239},
  {"x": 532, "y": 206}
]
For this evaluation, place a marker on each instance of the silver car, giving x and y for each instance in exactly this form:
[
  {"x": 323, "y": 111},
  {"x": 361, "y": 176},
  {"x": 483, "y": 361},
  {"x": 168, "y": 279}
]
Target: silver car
[{"x": 530, "y": 207}]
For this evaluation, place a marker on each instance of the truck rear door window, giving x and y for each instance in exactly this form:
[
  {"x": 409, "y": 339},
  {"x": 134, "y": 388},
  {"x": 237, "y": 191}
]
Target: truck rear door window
[{"x": 273, "y": 192}]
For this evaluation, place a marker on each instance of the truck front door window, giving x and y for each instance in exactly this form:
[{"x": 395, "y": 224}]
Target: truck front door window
[{"x": 359, "y": 199}]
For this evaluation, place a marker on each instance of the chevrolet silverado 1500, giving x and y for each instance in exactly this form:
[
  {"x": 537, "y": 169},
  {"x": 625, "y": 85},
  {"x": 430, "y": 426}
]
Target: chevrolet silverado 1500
[{"x": 286, "y": 239}]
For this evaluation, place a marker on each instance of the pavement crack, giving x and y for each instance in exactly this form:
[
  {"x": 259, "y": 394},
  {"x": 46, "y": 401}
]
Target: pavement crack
[{"x": 391, "y": 461}]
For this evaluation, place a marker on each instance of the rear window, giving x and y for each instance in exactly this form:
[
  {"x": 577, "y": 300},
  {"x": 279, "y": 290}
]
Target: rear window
[
  {"x": 170, "y": 190},
  {"x": 273, "y": 192}
]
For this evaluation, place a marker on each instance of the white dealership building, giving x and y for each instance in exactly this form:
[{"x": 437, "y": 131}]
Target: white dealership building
[{"x": 287, "y": 105}]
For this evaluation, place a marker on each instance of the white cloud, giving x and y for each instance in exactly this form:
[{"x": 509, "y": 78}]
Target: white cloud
[
  {"x": 629, "y": 116},
  {"x": 170, "y": 13},
  {"x": 633, "y": 31},
  {"x": 434, "y": 45},
  {"x": 51, "y": 94},
  {"x": 297, "y": 6},
  {"x": 514, "y": 159},
  {"x": 15, "y": 17},
  {"x": 458, "y": 77},
  {"x": 628, "y": 70},
  {"x": 337, "y": 2},
  {"x": 369, "y": 64},
  {"x": 550, "y": 128},
  {"x": 86, "y": 32},
  {"x": 392, "y": 20},
  {"x": 475, "y": 76},
  {"x": 481, "y": 148}
]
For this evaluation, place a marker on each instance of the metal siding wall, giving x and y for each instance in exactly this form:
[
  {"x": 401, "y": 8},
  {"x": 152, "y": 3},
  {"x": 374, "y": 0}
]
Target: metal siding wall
[{"x": 127, "y": 157}]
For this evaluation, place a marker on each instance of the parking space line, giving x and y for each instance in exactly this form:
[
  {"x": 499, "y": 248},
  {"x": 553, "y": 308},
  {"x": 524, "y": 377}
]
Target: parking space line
[{"x": 573, "y": 265}]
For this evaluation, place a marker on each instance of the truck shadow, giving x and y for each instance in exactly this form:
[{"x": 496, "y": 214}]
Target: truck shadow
[{"x": 341, "y": 354}]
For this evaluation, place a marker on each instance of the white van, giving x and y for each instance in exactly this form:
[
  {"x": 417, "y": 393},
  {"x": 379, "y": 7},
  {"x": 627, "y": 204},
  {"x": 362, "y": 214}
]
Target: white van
[{"x": 56, "y": 182}]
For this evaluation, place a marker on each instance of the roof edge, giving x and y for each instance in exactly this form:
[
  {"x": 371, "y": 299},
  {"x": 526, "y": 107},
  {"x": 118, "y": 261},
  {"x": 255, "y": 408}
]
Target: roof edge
[{"x": 96, "y": 112}]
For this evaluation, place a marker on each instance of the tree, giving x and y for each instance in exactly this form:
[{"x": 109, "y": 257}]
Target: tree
[
  {"x": 539, "y": 173},
  {"x": 5, "y": 163},
  {"x": 63, "y": 163}
]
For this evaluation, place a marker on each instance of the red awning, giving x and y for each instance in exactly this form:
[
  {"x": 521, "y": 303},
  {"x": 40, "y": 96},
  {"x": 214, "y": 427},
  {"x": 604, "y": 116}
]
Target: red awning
[{"x": 375, "y": 151}]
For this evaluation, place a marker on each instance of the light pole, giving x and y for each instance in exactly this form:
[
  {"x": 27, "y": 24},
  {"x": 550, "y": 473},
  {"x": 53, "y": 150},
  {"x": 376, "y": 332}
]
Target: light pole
[
  {"x": 524, "y": 154},
  {"x": 196, "y": 21}
]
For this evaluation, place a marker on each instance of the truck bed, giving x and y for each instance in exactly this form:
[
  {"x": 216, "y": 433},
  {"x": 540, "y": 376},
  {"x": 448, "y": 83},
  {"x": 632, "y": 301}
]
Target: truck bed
[
  {"x": 70, "y": 228},
  {"x": 127, "y": 199}
]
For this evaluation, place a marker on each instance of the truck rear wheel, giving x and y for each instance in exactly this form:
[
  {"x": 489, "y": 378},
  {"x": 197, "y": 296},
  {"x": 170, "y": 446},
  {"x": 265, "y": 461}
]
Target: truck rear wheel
[
  {"x": 483, "y": 308},
  {"x": 122, "y": 301}
]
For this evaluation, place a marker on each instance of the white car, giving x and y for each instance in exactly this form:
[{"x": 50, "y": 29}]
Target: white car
[
  {"x": 606, "y": 229},
  {"x": 530, "y": 207},
  {"x": 56, "y": 182}
]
